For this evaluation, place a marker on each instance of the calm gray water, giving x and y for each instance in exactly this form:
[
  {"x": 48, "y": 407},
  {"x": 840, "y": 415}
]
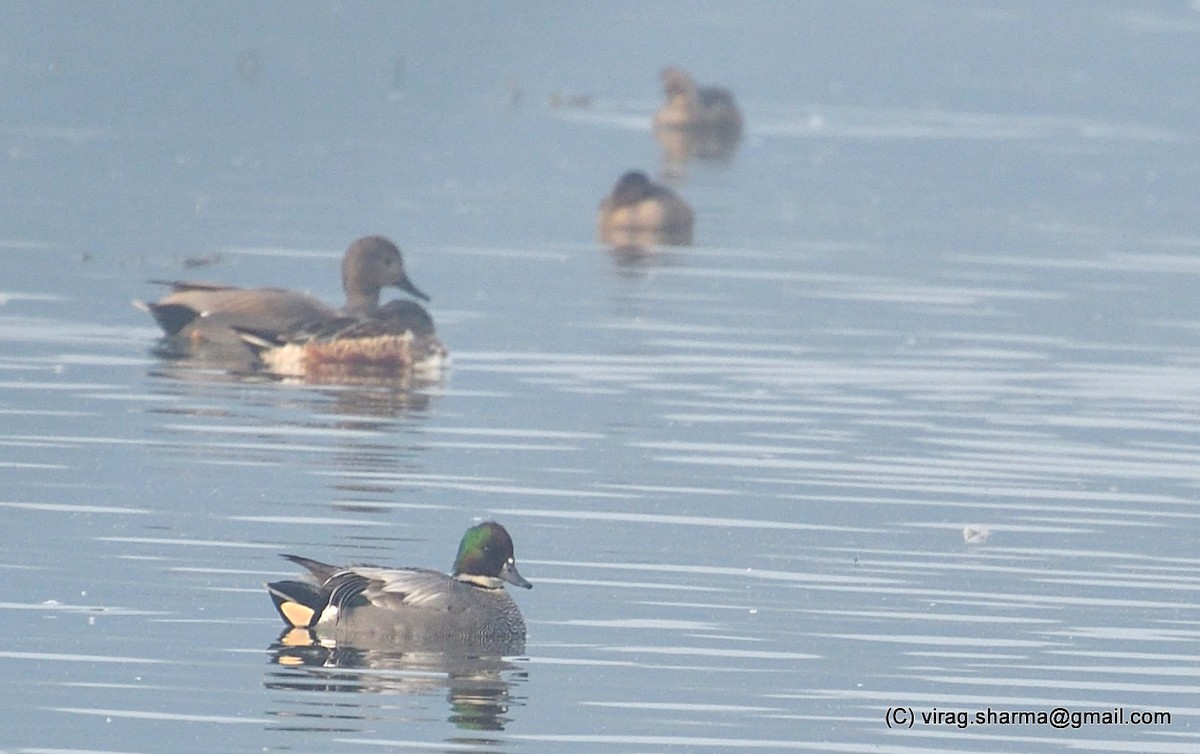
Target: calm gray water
[{"x": 947, "y": 281}]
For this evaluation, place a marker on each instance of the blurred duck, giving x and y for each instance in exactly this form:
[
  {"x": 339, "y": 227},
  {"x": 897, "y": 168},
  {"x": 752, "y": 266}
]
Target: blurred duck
[
  {"x": 414, "y": 607},
  {"x": 202, "y": 312},
  {"x": 700, "y": 107},
  {"x": 640, "y": 211},
  {"x": 397, "y": 340}
]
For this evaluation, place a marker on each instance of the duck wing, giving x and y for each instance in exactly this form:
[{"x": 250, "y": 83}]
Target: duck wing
[
  {"x": 268, "y": 310},
  {"x": 391, "y": 588}
]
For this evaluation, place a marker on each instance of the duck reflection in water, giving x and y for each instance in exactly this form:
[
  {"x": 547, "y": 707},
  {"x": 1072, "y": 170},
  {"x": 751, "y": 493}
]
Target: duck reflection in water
[{"x": 479, "y": 689}]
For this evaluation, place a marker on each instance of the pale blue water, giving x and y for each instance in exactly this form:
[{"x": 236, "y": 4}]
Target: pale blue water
[{"x": 947, "y": 281}]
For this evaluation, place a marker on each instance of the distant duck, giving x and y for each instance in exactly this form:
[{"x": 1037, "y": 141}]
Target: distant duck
[
  {"x": 691, "y": 106},
  {"x": 638, "y": 210},
  {"x": 397, "y": 340},
  {"x": 202, "y": 312},
  {"x": 696, "y": 121},
  {"x": 414, "y": 607}
]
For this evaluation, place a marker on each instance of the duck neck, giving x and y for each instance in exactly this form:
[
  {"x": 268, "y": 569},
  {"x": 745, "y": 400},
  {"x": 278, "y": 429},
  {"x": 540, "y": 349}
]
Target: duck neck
[
  {"x": 362, "y": 303},
  {"x": 487, "y": 582}
]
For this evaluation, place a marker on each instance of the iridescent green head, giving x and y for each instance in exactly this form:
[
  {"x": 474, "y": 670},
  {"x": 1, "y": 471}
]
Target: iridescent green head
[{"x": 486, "y": 551}]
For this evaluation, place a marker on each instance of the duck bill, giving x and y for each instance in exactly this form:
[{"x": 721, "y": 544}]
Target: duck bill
[
  {"x": 406, "y": 285},
  {"x": 509, "y": 574}
]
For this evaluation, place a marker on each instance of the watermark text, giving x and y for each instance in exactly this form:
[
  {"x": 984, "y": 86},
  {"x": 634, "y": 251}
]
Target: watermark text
[{"x": 1059, "y": 717}]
